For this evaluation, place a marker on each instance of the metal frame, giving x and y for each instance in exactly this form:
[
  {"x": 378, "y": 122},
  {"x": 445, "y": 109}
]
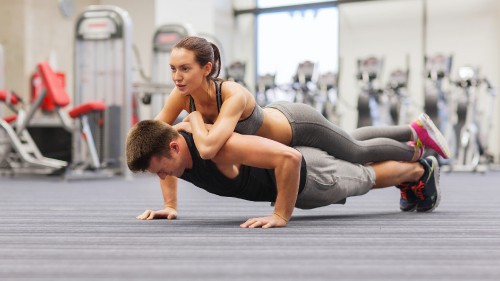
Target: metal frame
[
  {"x": 126, "y": 111},
  {"x": 288, "y": 8}
]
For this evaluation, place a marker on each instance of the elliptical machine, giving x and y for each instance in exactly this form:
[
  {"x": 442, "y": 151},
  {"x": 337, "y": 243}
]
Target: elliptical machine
[
  {"x": 328, "y": 96},
  {"x": 303, "y": 85},
  {"x": 153, "y": 91},
  {"x": 472, "y": 152},
  {"x": 373, "y": 104},
  {"x": 439, "y": 104},
  {"x": 266, "y": 89},
  {"x": 236, "y": 72},
  {"x": 399, "y": 99}
]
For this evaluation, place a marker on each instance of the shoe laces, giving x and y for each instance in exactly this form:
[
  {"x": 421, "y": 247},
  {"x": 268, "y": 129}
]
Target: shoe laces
[
  {"x": 404, "y": 189},
  {"x": 419, "y": 190}
]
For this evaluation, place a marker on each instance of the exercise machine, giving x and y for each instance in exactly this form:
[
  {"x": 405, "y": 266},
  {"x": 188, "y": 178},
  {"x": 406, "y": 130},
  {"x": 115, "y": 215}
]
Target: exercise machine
[
  {"x": 266, "y": 89},
  {"x": 103, "y": 72},
  {"x": 19, "y": 153},
  {"x": 373, "y": 103},
  {"x": 164, "y": 40},
  {"x": 24, "y": 155},
  {"x": 473, "y": 135},
  {"x": 89, "y": 116},
  {"x": 304, "y": 84},
  {"x": 399, "y": 99},
  {"x": 236, "y": 72},
  {"x": 328, "y": 96},
  {"x": 152, "y": 91}
]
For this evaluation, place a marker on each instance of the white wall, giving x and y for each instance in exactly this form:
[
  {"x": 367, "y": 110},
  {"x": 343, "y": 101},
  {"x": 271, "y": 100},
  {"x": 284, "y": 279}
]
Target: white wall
[
  {"x": 198, "y": 13},
  {"x": 244, "y": 40}
]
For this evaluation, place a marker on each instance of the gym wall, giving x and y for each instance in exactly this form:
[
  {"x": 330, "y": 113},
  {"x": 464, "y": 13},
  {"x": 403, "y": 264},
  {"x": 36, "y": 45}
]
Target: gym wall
[{"x": 35, "y": 30}]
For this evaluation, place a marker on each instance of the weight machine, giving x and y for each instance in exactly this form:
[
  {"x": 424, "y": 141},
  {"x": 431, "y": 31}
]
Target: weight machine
[{"x": 103, "y": 72}]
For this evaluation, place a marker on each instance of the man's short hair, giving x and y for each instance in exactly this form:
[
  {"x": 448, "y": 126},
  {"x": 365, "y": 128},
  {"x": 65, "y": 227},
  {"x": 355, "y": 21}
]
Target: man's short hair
[{"x": 146, "y": 139}]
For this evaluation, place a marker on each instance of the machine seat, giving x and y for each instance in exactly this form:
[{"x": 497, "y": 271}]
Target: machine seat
[
  {"x": 58, "y": 95},
  {"x": 86, "y": 108},
  {"x": 11, "y": 118}
]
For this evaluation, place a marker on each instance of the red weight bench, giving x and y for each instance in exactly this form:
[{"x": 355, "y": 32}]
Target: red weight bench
[
  {"x": 18, "y": 151},
  {"x": 56, "y": 93},
  {"x": 11, "y": 100}
]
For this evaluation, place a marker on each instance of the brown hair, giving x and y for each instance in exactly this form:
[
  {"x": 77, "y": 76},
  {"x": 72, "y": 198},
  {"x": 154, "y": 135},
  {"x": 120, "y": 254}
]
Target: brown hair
[
  {"x": 146, "y": 139},
  {"x": 204, "y": 53}
]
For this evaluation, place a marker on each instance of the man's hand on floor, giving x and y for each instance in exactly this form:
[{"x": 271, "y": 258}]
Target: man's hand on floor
[
  {"x": 264, "y": 222},
  {"x": 167, "y": 213}
]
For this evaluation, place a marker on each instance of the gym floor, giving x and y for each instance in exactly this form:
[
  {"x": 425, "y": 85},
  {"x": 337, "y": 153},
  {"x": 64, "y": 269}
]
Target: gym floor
[{"x": 56, "y": 230}]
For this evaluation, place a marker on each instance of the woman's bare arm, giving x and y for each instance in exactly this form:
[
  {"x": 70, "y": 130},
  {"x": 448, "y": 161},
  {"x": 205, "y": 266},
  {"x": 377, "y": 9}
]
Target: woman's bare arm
[{"x": 210, "y": 142}]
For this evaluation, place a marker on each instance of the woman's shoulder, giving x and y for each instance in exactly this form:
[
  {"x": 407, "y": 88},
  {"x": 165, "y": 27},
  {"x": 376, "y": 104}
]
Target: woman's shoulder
[{"x": 229, "y": 88}]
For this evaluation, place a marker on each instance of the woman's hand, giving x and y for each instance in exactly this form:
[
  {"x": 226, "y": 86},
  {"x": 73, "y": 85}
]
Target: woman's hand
[{"x": 183, "y": 126}]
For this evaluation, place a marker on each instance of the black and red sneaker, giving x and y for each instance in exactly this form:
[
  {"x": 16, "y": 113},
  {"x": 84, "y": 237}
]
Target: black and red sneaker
[
  {"x": 408, "y": 200},
  {"x": 427, "y": 188}
]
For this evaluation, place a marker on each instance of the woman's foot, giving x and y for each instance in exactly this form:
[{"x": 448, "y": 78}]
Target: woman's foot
[{"x": 428, "y": 135}]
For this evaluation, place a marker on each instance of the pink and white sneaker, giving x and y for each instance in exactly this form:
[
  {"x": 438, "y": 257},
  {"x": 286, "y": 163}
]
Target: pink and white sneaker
[{"x": 429, "y": 135}]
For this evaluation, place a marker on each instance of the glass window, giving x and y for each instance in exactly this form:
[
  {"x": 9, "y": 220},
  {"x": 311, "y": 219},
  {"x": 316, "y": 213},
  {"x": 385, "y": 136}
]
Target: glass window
[
  {"x": 284, "y": 39},
  {"x": 278, "y": 3}
]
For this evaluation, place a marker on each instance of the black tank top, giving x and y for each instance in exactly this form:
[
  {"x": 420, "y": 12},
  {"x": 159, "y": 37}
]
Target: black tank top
[{"x": 253, "y": 184}]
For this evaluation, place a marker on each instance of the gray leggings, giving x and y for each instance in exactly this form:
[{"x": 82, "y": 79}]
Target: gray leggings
[{"x": 363, "y": 145}]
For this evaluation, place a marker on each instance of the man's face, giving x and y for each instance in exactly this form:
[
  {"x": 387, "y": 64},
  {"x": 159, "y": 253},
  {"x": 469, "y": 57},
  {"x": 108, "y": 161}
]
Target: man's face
[{"x": 163, "y": 166}]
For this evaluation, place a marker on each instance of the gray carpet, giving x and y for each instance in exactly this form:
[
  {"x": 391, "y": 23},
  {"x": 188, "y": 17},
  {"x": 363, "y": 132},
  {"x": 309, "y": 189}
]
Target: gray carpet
[{"x": 56, "y": 230}]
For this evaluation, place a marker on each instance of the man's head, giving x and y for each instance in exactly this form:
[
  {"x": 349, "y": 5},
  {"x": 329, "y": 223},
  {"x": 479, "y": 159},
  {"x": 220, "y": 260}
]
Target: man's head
[{"x": 148, "y": 142}]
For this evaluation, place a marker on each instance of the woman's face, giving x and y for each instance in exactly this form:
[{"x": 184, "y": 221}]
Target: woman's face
[{"x": 187, "y": 74}]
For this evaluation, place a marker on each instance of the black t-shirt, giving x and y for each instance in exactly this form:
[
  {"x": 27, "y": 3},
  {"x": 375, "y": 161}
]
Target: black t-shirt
[{"x": 254, "y": 184}]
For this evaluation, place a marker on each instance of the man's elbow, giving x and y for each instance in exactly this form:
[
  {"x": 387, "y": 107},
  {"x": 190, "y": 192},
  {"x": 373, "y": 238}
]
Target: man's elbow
[{"x": 294, "y": 156}]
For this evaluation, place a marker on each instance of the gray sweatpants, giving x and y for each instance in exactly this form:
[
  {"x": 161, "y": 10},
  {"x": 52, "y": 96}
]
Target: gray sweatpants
[
  {"x": 330, "y": 180},
  {"x": 363, "y": 145}
]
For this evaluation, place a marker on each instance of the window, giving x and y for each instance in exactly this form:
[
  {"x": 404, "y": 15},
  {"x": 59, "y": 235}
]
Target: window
[{"x": 284, "y": 39}]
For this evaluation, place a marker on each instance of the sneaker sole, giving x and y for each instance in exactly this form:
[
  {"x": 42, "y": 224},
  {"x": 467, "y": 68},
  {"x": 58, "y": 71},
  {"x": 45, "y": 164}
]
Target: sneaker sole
[
  {"x": 409, "y": 210},
  {"x": 438, "y": 189},
  {"x": 435, "y": 134}
]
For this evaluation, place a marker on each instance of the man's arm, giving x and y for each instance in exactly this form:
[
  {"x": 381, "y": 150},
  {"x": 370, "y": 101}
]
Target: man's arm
[
  {"x": 169, "y": 188},
  {"x": 265, "y": 153},
  {"x": 169, "y": 191}
]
